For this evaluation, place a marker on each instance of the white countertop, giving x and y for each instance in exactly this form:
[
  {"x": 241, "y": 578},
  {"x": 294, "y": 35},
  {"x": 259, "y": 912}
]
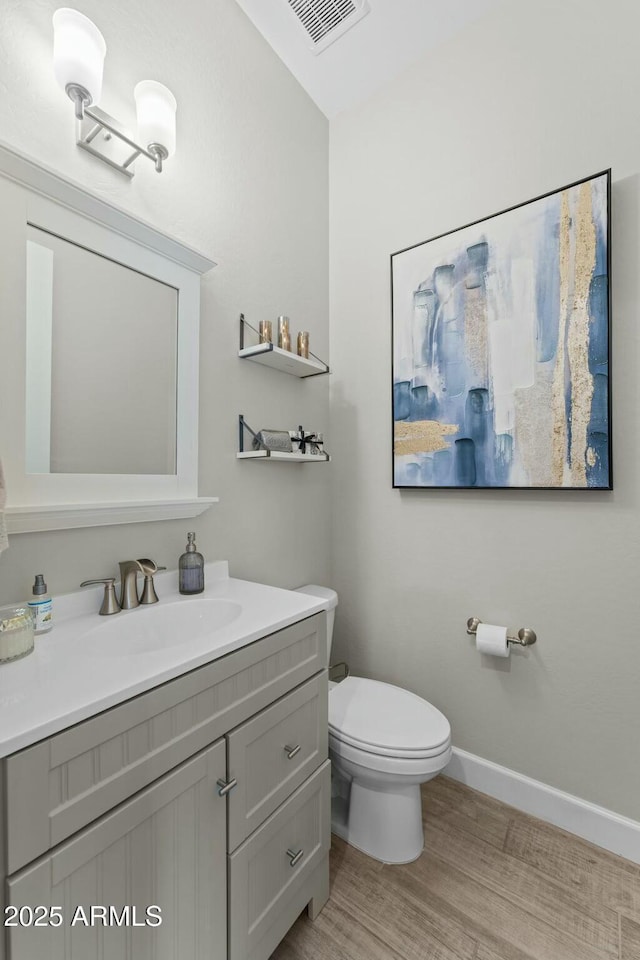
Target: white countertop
[{"x": 63, "y": 681}]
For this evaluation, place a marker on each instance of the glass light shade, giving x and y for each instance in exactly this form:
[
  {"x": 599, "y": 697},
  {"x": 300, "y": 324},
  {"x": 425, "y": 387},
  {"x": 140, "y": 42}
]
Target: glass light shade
[
  {"x": 78, "y": 52},
  {"x": 156, "y": 109}
]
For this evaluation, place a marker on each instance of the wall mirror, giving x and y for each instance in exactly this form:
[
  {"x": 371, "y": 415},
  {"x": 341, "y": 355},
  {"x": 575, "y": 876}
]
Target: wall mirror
[
  {"x": 99, "y": 399},
  {"x": 100, "y": 363}
]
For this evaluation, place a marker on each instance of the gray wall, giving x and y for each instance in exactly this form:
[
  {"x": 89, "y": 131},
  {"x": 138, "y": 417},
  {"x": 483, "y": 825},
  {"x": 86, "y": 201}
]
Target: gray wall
[
  {"x": 249, "y": 187},
  {"x": 528, "y": 99}
]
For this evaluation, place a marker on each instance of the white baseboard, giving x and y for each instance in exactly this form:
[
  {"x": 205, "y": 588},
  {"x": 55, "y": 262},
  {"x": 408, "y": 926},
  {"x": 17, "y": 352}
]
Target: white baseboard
[{"x": 596, "y": 824}]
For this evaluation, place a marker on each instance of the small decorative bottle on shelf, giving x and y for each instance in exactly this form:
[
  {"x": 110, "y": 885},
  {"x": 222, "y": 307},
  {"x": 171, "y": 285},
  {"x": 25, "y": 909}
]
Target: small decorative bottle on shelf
[
  {"x": 191, "y": 568},
  {"x": 303, "y": 344},
  {"x": 265, "y": 331},
  {"x": 284, "y": 337}
]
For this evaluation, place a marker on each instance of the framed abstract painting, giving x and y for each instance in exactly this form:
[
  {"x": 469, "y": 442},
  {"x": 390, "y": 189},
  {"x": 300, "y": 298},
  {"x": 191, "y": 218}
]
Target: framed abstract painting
[{"x": 501, "y": 344}]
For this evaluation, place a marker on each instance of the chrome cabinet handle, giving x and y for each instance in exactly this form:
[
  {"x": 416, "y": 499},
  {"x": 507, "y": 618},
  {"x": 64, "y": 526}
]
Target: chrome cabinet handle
[
  {"x": 295, "y": 858},
  {"x": 226, "y": 786},
  {"x": 291, "y": 751}
]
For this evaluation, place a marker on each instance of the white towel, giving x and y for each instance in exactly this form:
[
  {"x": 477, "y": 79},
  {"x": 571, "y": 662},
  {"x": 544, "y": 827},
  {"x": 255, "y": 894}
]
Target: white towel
[{"x": 4, "y": 540}]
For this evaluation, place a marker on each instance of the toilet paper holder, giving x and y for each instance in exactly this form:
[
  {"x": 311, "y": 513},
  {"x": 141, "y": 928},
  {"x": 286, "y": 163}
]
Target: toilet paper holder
[{"x": 525, "y": 635}]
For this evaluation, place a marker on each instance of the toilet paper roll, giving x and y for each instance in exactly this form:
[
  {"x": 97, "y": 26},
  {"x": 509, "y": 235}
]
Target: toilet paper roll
[{"x": 492, "y": 639}]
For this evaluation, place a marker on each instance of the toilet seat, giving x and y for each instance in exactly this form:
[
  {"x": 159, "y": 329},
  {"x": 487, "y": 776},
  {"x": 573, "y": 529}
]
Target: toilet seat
[
  {"x": 396, "y": 767},
  {"x": 383, "y": 720}
]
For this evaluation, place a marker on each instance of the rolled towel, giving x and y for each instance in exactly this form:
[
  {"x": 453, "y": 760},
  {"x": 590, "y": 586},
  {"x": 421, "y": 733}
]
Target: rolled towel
[
  {"x": 4, "y": 540},
  {"x": 273, "y": 440}
]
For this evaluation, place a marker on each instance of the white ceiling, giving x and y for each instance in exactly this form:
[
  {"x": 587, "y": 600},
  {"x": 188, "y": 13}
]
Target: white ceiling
[{"x": 370, "y": 54}]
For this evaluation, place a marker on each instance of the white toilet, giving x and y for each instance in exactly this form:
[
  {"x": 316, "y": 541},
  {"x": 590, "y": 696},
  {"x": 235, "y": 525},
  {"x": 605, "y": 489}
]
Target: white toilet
[{"x": 383, "y": 743}]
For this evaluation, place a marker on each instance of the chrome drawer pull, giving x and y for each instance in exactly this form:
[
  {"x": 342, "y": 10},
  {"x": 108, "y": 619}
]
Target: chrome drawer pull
[
  {"x": 295, "y": 858},
  {"x": 291, "y": 751},
  {"x": 225, "y": 787}
]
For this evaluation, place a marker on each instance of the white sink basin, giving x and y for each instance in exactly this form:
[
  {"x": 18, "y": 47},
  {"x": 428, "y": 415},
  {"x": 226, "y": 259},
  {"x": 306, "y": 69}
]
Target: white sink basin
[{"x": 159, "y": 627}]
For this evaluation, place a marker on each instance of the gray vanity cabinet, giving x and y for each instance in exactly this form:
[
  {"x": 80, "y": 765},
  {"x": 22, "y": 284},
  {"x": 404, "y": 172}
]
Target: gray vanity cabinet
[{"x": 125, "y": 809}]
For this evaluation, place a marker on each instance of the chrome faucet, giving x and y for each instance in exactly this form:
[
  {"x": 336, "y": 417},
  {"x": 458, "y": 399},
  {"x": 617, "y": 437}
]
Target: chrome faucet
[{"x": 129, "y": 570}]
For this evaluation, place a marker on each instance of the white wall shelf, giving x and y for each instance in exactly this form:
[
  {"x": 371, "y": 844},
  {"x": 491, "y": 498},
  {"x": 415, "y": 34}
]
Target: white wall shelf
[
  {"x": 283, "y": 360},
  {"x": 272, "y": 455}
]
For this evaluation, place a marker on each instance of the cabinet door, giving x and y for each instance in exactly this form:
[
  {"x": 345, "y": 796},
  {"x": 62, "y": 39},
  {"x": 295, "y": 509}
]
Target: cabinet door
[{"x": 164, "y": 848}]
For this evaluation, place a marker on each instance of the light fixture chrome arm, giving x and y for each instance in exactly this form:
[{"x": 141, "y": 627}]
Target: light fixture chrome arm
[
  {"x": 81, "y": 98},
  {"x": 103, "y": 122},
  {"x": 158, "y": 154}
]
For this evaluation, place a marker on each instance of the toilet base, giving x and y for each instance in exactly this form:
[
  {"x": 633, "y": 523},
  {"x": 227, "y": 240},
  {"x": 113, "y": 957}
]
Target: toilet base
[
  {"x": 340, "y": 818},
  {"x": 383, "y": 823}
]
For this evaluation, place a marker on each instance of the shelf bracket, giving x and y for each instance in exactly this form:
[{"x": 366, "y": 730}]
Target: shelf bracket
[{"x": 242, "y": 426}]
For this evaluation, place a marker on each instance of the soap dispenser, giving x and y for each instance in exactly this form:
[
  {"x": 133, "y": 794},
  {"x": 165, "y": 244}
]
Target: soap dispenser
[{"x": 191, "y": 568}]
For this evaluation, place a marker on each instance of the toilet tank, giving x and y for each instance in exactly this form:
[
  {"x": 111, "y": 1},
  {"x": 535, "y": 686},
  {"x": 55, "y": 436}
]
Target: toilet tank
[{"x": 325, "y": 593}]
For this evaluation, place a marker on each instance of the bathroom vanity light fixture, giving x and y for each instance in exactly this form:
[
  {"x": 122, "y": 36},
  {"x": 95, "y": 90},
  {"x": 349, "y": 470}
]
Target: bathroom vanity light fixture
[{"x": 78, "y": 60}]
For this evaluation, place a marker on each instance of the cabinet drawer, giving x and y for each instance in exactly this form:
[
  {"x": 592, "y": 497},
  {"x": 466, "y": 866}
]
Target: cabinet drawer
[
  {"x": 165, "y": 847},
  {"x": 273, "y": 753},
  {"x": 264, "y": 887},
  {"x": 64, "y": 783}
]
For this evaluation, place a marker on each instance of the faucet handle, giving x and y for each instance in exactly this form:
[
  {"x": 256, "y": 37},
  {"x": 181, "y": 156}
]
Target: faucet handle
[
  {"x": 149, "y": 567},
  {"x": 109, "y": 601}
]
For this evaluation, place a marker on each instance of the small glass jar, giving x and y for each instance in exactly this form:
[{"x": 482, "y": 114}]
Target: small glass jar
[
  {"x": 284, "y": 337},
  {"x": 303, "y": 344},
  {"x": 265, "y": 331},
  {"x": 17, "y": 627}
]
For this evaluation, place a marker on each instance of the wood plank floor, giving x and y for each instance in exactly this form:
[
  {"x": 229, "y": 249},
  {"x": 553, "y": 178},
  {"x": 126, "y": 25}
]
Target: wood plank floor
[{"x": 492, "y": 884}]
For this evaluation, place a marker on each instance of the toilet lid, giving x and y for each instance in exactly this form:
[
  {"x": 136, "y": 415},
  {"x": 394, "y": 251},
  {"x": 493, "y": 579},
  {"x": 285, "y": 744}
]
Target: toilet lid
[{"x": 384, "y": 719}]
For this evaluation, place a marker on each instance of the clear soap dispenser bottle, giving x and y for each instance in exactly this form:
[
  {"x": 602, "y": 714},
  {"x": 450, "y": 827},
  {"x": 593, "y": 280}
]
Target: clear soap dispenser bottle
[{"x": 191, "y": 568}]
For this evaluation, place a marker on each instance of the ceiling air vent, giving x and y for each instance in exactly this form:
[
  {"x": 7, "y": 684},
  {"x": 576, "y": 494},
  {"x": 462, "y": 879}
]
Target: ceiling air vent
[{"x": 326, "y": 20}]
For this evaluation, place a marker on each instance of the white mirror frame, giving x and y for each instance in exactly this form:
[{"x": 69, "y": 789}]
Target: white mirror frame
[{"x": 30, "y": 193}]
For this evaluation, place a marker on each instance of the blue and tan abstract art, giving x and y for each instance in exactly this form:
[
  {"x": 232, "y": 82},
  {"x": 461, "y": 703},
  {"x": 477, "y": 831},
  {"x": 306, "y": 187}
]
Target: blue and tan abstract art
[{"x": 501, "y": 349}]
